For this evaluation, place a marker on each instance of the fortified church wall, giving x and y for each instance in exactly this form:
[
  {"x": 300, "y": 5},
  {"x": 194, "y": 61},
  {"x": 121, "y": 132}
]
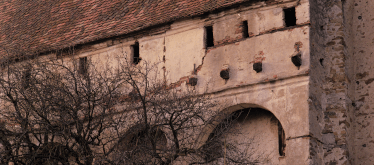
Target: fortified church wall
[
  {"x": 258, "y": 33},
  {"x": 305, "y": 63}
]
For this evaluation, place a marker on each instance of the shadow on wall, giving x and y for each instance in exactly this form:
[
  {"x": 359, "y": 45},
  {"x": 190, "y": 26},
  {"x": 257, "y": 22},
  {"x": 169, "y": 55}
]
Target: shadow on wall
[{"x": 251, "y": 135}]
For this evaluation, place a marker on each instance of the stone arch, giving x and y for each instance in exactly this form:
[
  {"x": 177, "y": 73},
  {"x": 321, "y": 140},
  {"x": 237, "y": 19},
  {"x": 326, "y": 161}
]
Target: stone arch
[{"x": 252, "y": 126}]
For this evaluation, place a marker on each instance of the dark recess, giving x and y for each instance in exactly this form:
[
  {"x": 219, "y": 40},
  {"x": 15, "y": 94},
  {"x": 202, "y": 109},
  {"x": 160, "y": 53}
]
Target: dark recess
[
  {"x": 296, "y": 60},
  {"x": 209, "y": 41},
  {"x": 281, "y": 138},
  {"x": 257, "y": 66},
  {"x": 321, "y": 61},
  {"x": 290, "y": 16},
  {"x": 136, "y": 57},
  {"x": 225, "y": 74},
  {"x": 83, "y": 65},
  {"x": 192, "y": 81},
  {"x": 245, "y": 29},
  {"x": 26, "y": 78}
]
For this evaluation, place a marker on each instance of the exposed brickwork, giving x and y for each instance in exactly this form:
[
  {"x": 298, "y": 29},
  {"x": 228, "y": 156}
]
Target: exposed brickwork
[{"x": 227, "y": 40}]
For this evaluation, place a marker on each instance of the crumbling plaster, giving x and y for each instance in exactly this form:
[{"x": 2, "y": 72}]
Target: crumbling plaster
[
  {"x": 281, "y": 87},
  {"x": 325, "y": 105},
  {"x": 287, "y": 100},
  {"x": 335, "y": 61},
  {"x": 361, "y": 51}
]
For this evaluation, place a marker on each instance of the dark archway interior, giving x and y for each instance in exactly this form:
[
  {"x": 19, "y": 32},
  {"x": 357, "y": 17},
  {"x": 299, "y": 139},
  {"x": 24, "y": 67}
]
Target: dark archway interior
[
  {"x": 251, "y": 127},
  {"x": 138, "y": 144},
  {"x": 141, "y": 138}
]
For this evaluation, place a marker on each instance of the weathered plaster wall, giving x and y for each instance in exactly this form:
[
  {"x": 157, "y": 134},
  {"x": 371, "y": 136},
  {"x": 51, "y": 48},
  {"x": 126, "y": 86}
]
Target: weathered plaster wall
[
  {"x": 287, "y": 100},
  {"x": 274, "y": 50},
  {"x": 189, "y": 45},
  {"x": 325, "y": 106},
  {"x": 281, "y": 87}
]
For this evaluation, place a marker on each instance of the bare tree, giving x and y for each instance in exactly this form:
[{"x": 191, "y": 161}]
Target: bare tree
[
  {"x": 56, "y": 112},
  {"x": 53, "y": 112},
  {"x": 169, "y": 121}
]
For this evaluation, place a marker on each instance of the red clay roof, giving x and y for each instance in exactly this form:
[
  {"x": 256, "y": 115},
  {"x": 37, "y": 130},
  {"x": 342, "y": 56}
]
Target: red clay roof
[{"x": 34, "y": 26}]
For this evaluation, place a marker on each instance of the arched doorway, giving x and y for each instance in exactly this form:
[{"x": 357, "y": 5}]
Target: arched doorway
[{"x": 246, "y": 136}]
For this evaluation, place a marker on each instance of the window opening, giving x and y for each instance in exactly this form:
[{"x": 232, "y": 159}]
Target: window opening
[
  {"x": 245, "y": 29},
  {"x": 83, "y": 66},
  {"x": 135, "y": 52},
  {"x": 26, "y": 78},
  {"x": 290, "y": 16},
  {"x": 209, "y": 41}
]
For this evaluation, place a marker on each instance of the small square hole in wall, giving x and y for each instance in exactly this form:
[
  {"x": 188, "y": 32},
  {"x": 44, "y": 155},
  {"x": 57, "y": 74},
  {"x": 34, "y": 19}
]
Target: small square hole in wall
[
  {"x": 245, "y": 29},
  {"x": 290, "y": 16},
  {"x": 209, "y": 41},
  {"x": 135, "y": 53},
  {"x": 83, "y": 66}
]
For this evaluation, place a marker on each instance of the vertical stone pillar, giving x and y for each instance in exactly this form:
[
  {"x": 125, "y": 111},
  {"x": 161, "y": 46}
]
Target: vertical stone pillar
[{"x": 329, "y": 95}]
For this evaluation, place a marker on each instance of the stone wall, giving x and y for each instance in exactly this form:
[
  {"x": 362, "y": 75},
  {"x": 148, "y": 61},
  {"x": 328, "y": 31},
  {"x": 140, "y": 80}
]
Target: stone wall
[
  {"x": 340, "y": 77},
  {"x": 329, "y": 99},
  {"x": 361, "y": 49},
  {"x": 310, "y": 99}
]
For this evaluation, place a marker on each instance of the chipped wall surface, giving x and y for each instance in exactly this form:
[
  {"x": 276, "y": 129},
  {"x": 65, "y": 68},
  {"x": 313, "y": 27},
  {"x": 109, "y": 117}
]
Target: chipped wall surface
[
  {"x": 274, "y": 50},
  {"x": 287, "y": 100},
  {"x": 362, "y": 80},
  {"x": 187, "y": 44},
  {"x": 281, "y": 88},
  {"x": 340, "y": 82},
  {"x": 341, "y": 57},
  {"x": 329, "y": 117}
]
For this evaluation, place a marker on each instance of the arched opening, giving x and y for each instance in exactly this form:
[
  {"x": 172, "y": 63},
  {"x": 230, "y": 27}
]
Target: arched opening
[
  {"x": 141, "y": 140},
  {"x": 139, "y": 144},
  {"x": 51, "y": 153},
  {"x": 246, "y": 136}
]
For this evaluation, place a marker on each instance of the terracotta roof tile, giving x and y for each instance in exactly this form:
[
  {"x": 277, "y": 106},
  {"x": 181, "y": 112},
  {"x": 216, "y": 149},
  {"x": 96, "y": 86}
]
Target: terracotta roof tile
[{"x": 29, "y": 27}]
